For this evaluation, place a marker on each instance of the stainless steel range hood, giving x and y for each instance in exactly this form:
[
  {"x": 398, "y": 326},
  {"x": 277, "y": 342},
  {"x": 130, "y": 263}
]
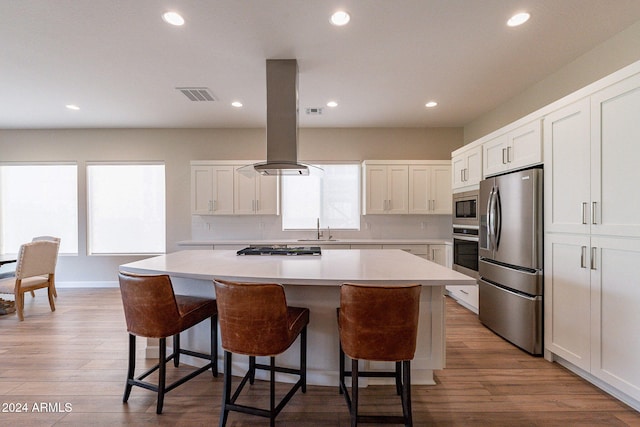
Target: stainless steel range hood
[{"x": 282, "y": 120}]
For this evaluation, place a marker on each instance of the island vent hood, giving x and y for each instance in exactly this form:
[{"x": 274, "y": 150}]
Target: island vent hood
[{"x": 282, "y": 120}]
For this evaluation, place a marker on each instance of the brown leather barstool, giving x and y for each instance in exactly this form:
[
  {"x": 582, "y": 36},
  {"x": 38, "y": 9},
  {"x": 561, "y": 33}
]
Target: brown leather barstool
[
  {"x": 152, "y": 310},
  {"x": 256, "y": 321},
  {"x": 378, "y": 323}
]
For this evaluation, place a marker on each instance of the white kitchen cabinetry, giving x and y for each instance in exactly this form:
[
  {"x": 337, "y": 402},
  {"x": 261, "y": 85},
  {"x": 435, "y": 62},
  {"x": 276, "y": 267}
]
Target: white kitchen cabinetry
[
  {"x": 516, "y": 149},
  {"x": 592, "y": 235},
  {"x": 255, "y": 194},
  {"x": 211, "y": 190},
  {"x": 385, "y": 189},
  {"x": 430, "y": 189},
  {"x": 467, "y": 296},
  {"x": 440, "y": 254},
  {"x": 466, "y": 168}
]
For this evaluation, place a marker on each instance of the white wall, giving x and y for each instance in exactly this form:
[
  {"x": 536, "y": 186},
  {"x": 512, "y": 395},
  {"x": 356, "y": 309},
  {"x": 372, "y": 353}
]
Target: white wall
[{"x": 177, "y": 147}]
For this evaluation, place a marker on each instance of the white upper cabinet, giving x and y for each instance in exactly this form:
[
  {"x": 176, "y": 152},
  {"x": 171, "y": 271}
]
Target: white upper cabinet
[
  {"x": 385, "y": 189},
  {"x": 430, "y": 189},
  {"x": 211, "y": 190},
  {"x": 255, "y": 194},
  {"x": 567, "y": 175},
  {"x": 516, "y": 149},
  {"x": 467, "y": 168},
  {"x": 615, "y": 150}
]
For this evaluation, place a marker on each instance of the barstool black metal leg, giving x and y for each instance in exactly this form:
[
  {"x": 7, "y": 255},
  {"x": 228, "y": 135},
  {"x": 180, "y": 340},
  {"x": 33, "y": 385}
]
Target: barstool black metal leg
[
  {"x": 162, "y": 373},
  {"x": 226, "y": 389},
  {"x": 354, "y": 393},
  {"x": 406, "y": 393},
  {"x": 131, "y": 369},
  {"x": 399, "y": 378},
  {"x": 176, "y": 350},
  {"x": 272, "y": 391},
  {"x": 214, "y": 345},
  {"x": 342, "y": 368},
  {"x": 252, "y": 369},
  {"x": 303, "y": 359}
]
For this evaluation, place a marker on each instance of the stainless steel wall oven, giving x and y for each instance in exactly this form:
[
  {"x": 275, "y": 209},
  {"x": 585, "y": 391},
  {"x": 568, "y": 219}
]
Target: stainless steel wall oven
[{"x": 465, "y": 233}]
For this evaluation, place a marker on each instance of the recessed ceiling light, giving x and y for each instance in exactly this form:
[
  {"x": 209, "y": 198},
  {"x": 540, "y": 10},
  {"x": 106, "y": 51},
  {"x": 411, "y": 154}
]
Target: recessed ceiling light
[
  {"x": 72, "y": 107},
  {"x": 431, "y": 104},
  {"x": 340, "y": 18},
  {"x": 236, "y": 104},
  {"x": 518, "y": 19},
  {"x": 173, "y": 18},
  {"x": 332, "y": 104}
]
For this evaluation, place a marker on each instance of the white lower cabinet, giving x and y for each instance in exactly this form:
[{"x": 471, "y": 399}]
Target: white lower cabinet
[
  {"x": 467, "y": 296},
  {"x": 592, "y": 301},
  {"x": 440, "y": 254}
]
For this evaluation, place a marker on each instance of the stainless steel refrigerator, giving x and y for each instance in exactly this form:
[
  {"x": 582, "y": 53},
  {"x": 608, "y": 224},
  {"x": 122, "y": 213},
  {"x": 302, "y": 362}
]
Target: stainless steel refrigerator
[{"x": 511, "y": 257}]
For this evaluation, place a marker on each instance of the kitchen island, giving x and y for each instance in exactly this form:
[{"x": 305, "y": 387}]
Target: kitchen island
[{"x": 313, "y": 282}]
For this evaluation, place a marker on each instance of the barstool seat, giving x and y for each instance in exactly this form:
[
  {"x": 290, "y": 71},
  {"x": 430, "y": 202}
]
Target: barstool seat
[
  {"x": 256, "y": 321},
  {"x": 378, "y": 323},
  {"x": 152, "y": 310}
]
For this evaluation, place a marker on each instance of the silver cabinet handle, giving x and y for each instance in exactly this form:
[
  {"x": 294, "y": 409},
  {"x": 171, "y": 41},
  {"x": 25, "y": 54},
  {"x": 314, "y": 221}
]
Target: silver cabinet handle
[
  {"x": 583, "y": 255},
  {"x": 215, "y": 207},
  {"x": 461, "y": 175},
  {"x": 593, "y": 212},
  {"x": 593, "y": 258},
  {"x": 389, "y": 205},
  {"x": 584, "y": 212},
  {"x": 509, "y": 149},
  {"x": 466, "y": 174},
  {"x": 464, "y": 292},
  {"x": 504, "y": 150},
  {"x": 210, "y": 205}
]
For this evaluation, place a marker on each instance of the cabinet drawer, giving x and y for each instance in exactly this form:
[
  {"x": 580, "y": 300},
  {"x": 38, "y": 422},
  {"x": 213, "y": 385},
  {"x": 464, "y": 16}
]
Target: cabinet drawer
[
  {"x": 414, "y": 249},
  {"x": 465, "y": 295}
]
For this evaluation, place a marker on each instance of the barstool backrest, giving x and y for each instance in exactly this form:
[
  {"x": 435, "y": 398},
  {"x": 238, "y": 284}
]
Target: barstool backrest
[
  {"x": 150, "y": 307},
  {"x": 252, "y": 317},
  {"x": 379, "y": 322}
]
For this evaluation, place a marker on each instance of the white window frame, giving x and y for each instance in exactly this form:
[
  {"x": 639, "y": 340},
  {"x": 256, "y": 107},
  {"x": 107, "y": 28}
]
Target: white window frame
[
  {"x": 323, "y": 222},
  {"x": 91, "y": 250}
]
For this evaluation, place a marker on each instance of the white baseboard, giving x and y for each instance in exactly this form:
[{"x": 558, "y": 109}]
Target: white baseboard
[{"x": 87, "y": 284}]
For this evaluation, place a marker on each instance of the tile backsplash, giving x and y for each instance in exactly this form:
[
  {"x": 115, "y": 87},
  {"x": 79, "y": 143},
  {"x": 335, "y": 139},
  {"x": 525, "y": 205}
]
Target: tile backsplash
[{"x": 267, "y": 227}]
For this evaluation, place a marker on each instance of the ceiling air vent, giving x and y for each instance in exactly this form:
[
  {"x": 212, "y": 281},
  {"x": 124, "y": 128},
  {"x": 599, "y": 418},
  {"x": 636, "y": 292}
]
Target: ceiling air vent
[
  {"x": 314, "y": 111},
  {"x": 197, "y": 93}
]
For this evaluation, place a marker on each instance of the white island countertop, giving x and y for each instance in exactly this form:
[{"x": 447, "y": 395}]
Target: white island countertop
[
  {"x": 334, "y": 267},
  {"x": 320, "y": 242}
]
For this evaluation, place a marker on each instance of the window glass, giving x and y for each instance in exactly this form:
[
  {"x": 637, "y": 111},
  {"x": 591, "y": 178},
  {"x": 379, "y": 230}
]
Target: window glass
[
  {"x": 332, "y": 196},
  {"x": 38, "y": 200},
  {"x": 126, "y": 208}
]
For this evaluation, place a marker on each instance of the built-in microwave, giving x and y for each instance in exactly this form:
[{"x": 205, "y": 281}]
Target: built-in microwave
[{"x": 465, "y": 208}]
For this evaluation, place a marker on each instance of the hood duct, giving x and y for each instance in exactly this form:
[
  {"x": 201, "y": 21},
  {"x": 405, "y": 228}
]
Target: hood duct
[{"x": 282, "y": 120}]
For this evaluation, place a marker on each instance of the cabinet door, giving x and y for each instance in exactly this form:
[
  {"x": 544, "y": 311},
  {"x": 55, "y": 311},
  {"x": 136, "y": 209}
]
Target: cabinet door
[
  {"x": 245, "y": 194},
  {"x": 441, "y": 197},
  {"x": 494, "y": 155},
  {"x": 474, "y": 166},
  {"x": 222, "y": 190},
  {"x": 267, "y": 195},
  {"x": 567, "y": 298},
  {"x": 201, "y": 190},
  {"x": 459, "y": 169},
  {"x": 438, "y": 254},
  {"x": 615, "y": 314},
  {"x": 397, "y": 189},
  {"x": 420, "y": 197},
  {"x": 567, "y": 173},
  {"x": 615, "y": 131},
  {"x": 375, "y": 194},
  {"x": 524, "y": 146}
]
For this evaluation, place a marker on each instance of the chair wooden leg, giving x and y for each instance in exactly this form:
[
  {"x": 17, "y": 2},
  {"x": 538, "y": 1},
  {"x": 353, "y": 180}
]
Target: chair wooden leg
[
  {"x": 33, "y": 294},
  {"x": 131, "y": 369},
  {"x": 20, "y": 305},
  {"x": 52, "y": 304},
  {"x": 162, "y": 374}
]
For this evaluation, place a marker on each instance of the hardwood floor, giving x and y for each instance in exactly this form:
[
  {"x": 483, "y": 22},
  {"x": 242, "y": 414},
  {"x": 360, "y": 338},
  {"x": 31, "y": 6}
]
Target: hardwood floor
[{"x": 67, "y": 369}]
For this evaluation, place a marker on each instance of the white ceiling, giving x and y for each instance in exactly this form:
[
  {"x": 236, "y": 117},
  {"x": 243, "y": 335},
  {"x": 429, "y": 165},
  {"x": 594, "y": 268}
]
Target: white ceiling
[{"x": 120, "y": 62}]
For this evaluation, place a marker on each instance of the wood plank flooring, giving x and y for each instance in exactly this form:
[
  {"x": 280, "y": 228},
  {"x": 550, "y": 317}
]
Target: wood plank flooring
[{"x": 67, "y": 368}]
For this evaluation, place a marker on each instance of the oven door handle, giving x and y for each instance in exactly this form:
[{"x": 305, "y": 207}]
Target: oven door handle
[{"x": 465, "y": 238}]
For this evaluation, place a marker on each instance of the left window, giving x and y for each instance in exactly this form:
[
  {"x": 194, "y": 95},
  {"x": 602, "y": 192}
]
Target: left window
[
  {"x": 38, "y": 199},
  {"x": 126, "y": 208}
]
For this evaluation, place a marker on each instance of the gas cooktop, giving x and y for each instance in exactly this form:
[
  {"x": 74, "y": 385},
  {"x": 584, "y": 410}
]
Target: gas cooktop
[{"x": 280, "y": 250}]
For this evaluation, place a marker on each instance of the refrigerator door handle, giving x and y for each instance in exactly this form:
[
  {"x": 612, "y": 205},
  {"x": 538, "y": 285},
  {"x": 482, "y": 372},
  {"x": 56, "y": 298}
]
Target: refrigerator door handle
[
  {"x": 497, "y": 226},
  {"x": 490, "y": 219}
]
